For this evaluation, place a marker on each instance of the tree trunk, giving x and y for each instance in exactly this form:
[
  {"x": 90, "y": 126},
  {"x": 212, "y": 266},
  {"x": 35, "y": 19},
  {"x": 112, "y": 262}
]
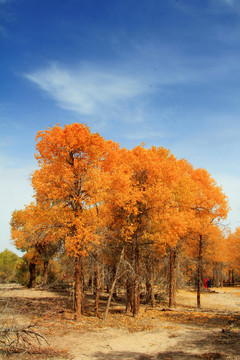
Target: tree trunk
[
  {"x": 221, "y": 275},
  {"x": 113, "y": 285},
  {"x": 172, "y": 277},
  {"x": 149, "y": 282},
  {"x": 217, "y": 275},
  {"x": 149, "y": 289},
  {"x": 32, "y": 270},
  {"x": 79, "y": 288},
  {"x": 92, "y": 283},
  {"x": 129, "y": 281},
  {"x": 102, "y": 278},
  {"x": 45, "y": 272},
  {"x": 129, "y": 295},
  {"x": 108, "y": 280},
  {"x": 214, "y": 274},
  {"x": 97, "y": 285},
  {"x": 215, "y": 281},
  {"x": 136, "y": 293},
  {"x": 199, "y": 272}
]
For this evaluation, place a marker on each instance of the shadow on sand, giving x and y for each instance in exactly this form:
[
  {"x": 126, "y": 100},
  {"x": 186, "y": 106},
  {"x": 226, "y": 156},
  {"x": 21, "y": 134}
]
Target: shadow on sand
[{"x": 166, "y": 355}]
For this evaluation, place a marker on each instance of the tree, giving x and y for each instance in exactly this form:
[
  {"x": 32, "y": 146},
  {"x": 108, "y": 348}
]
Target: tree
[
  {"x": 210, "y": 206},
  {"x": 8, "y": 266},
  {"x": 37, "y": 230},
  {"x": 73, "y": 172},
  {"x": 149, "y": 205},
  {"x": 120, "y": 206},
  {"x": 232, "y": 250}
]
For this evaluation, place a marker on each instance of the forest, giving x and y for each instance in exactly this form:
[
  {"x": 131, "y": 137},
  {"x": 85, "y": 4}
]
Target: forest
[
  {"x": 133, "y": 224},
  {"x": 109, "y": 226}
]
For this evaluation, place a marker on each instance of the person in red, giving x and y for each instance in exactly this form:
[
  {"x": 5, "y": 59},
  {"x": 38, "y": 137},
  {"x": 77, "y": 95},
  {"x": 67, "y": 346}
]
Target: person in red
[{"x": 206, "y": 283}]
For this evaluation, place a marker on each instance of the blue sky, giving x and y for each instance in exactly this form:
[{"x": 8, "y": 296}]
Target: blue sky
[{"x": 163, "y": 72}]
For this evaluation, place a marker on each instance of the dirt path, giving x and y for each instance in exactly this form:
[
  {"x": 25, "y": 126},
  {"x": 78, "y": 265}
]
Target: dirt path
[
  {"x": 185, "y": 333},
  {"x": 119, "y": 344},
  {"x": 222, "y": 299},
  {"x": 169, "y": 340}
]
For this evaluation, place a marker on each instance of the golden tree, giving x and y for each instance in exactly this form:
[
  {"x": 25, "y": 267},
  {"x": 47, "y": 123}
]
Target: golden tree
[
  {"x": 210, "y": 207},
  {"x": 72, "y": 173},
  {"x": 36, "y": 229}
]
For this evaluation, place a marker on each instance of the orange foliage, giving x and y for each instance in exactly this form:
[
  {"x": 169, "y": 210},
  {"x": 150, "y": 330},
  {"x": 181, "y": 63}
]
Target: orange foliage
[
  {"x": 87, "y": 187},
  {"x": 72, "y": 174},
  {"x": 232, "y": 249}
]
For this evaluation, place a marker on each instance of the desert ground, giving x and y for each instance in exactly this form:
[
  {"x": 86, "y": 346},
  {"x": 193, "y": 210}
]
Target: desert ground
[{"x": 213, "y": 332}]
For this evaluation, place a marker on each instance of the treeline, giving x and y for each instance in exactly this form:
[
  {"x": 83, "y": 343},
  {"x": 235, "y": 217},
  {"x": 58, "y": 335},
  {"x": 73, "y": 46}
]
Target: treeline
[
  {"x": 15, "y": 269},
  {"x": 122, "y": 217},
  {"x": 10, "y": 265}
]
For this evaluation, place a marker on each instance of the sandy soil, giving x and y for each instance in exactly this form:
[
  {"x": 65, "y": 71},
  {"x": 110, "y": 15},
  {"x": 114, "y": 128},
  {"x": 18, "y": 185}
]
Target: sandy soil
[{"x": 184, "y": 333}]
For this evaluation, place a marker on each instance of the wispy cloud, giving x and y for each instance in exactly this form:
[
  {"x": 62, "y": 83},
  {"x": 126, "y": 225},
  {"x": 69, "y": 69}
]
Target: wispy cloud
[
  {"x": 143, "y": 135},
  {"x": 229, "y": 5},
  {"x": 130, "y": 91},
  {"x": 87, "y": 89},
  {"x": 229, "y": 2},
  {"x": 118, "y": 91}
]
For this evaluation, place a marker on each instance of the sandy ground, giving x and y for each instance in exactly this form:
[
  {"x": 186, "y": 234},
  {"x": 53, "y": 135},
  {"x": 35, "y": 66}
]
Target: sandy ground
[
  {"x": 119, "y": 344},
  {"x": 223, "y": 299},
  {"x": 184, "y": 333},
  {"x": 168, "y": 340}
]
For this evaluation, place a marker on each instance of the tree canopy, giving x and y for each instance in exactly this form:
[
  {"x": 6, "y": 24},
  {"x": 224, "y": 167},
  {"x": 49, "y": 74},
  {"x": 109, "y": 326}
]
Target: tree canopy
[{"x": 92, "y": 196}]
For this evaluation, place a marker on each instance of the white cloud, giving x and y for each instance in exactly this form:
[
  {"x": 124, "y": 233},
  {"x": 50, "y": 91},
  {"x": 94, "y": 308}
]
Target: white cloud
[
  {"x": 112, "y": 89},
  {"x": 226, "y": 5},
  {"x": 144, "y": 135},
  {"x": 86, "y": 90},
  {"x": 123, "y": 91},
  {"x": 229, "y": 2}
]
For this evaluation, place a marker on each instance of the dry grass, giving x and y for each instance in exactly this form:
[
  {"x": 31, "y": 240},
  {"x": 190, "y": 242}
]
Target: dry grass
[{"x": 50, "y": 318}]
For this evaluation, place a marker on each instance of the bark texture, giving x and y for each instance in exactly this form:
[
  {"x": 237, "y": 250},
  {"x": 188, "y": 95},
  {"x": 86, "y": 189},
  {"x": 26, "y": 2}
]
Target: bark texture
[{"x": 79, "y": 288}]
